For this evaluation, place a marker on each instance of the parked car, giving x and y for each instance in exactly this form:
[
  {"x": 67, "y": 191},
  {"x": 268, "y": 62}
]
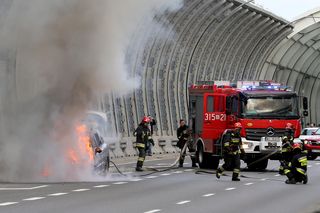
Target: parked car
[
  {"x": 312, "y": 144},
  {"x": 308, "y": 133}
]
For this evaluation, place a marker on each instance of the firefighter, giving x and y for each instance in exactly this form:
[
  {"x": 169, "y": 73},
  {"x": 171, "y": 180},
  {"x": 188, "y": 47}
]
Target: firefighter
[
  {"x": 286, "y": 150},
  {"x": 183, "y": 134},
  {"x": 232, "y": 147},
  {"x": 296, "y": 171},
  {"x": 150, "y": 142},
  {"x": 142, "y": 134}
]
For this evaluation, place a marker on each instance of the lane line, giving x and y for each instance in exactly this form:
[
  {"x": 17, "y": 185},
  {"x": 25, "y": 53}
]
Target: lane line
[
  {"x": 151, "y": 177},
  {"x": 57, "y": 194},
  {"x": 229, "y": 189},
  {"x": 153, "y": 211},
  {"x": 177, "y": 172},
  {"x": 101, "y": 186},
  {"x": 183, "y": 202},
  {"x": 34, "y": 198},
  {"x": 137, "y": 179},
  {"x": 208, "y": 195},
  {"x": 248, "y": 184},
  {"x": 8, "y": 203},
  {"x": 189, "y": 170},
  {"x": 80, "y": 190},
  {"x": 277, "y": 175},
  {"x": 317, "y": 163},
  {"x": 119, "y": 183},
  {"x": 309, "y": 166},
  {"x": 263, "y": 179},
  {"x": 165, "y": 174},
  {"x": 31, "y": 188}
]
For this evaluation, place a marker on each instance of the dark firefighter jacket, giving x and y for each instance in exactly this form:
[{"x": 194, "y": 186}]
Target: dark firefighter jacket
[
  {"x": 299, "y": 163},
  {"x": 232, "y": 143},
  {"x": 287, "y": 141},
  {"x": 142, "y": 134}
]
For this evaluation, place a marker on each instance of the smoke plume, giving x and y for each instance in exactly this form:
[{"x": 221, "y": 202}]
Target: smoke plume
[{"x": 66, "y": 53}]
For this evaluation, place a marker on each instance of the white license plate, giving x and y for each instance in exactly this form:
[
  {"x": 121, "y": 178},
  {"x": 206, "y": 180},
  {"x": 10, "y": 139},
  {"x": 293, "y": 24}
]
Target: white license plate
[
  {"x": 316, "y": 150},
  {"x": 272, "y": 139}
]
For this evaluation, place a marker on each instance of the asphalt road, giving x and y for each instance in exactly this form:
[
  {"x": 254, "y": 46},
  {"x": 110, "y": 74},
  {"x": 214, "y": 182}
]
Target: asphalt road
[{"x": 179, "y": 190}]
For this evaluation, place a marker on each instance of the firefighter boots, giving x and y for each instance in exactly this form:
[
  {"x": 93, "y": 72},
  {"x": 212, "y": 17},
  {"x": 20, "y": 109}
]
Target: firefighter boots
[
  {"x": 291, "y": 181},
  {"x": 139, "y": 169},
  {"x": 218, "y": 173},
  {"x": 305, "y": 179},
  {"x": 235, "y": 177}
]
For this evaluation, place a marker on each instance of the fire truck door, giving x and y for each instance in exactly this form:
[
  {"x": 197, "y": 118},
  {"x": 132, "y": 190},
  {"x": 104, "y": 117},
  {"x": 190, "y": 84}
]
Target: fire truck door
[{"x": 214, "y": 119}]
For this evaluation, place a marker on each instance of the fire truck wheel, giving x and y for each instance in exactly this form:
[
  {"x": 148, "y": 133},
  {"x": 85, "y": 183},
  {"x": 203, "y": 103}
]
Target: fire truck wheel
[{"x": 206, "y": 160}]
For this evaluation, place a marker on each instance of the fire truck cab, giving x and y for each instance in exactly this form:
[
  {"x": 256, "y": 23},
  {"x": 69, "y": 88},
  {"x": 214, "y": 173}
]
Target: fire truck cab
[{"x": 262, "y": 107}]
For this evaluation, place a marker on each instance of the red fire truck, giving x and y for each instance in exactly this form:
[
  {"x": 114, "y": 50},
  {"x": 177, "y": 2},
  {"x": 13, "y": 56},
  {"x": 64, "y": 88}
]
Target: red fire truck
[{"x": 262, "y": 107}]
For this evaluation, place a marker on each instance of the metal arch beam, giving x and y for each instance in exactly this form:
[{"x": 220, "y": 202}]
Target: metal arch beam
[
  {"x": 206, "y": 47},
  {"x": 189, "y": 39},
  {"x": 191, "y": 47}
]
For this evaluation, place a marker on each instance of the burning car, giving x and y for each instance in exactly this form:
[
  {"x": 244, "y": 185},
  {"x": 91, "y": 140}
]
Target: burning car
[{"x": 93, "y": 127}]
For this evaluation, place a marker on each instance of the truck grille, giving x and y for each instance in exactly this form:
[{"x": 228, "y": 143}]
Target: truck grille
[{"x": 256, "y": 134}]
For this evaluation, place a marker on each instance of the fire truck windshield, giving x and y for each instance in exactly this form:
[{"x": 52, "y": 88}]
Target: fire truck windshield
[{"x": 271, "y": 107}]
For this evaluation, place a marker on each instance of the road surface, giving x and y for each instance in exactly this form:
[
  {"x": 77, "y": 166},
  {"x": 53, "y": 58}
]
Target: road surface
[{"x": 178, "y": 190}]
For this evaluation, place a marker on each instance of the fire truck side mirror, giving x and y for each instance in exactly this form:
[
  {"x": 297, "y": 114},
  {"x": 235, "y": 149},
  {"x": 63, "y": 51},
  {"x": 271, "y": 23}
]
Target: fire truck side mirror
[{"x": 305, "y": 103}]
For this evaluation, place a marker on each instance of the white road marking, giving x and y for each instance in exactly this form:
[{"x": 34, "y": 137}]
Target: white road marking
[
  {"x": 248, "y": 184},
  {"x": 263, "y": 179},
  {"x": 183, "y": 202},
  {"x": 229, "y": 189},
  {"x": 34, "y": 198},
  {"x": 317, "y": 163},
  {"x": 137, "y": 179},
  {"x": 208, "y": 195},
  {"x": 8, "y": 203},
  {"x": 57, "y": 194},
  {"x": 165, "y": 174},
  {"x": 277, "y": 175},
  {"x": 120, "y": 183},
  {"x": 309, "y": 166},
  {"x": 178, "y": 172},
  {"x": 101, "y": 186},
  {"x": 31, "y": 188},
  {"x": 80, "y": 190},
  {"x": 189, "y": 170},
  {"x": 153, "y": 211},
  {"x": 151, "y": 177}
]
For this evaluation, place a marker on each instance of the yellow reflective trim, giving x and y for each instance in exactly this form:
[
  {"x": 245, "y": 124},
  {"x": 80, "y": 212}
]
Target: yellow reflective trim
[
  {"x": 226, "y": 144},
  {"x": 141, "y": 159},
  {"x": 236, "y": 170},
  {"x": 140, "y": 145},
  {"x": 286, "y": 171},
  {"x": 301, "y": 171}
]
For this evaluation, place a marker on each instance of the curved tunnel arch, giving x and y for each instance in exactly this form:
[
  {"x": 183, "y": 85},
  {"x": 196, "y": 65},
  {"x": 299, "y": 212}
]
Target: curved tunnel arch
[
  {"x": 296, "y": 61},
  {"x": 210, "y": 40},
  {"x": 204, "y": 40}
]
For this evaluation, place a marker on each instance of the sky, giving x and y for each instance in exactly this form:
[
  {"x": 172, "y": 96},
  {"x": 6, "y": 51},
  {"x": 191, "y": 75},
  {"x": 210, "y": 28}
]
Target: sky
[{"x": 289, "y": 9}]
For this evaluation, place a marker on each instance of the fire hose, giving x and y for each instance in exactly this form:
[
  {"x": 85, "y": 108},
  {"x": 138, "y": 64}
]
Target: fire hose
[{"x": 159, "y": 169}]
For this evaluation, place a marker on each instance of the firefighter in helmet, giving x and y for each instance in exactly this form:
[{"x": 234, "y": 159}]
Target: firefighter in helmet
[
  {"x": 232, "y": 147},
  {"x": 286, "y": 150},
  {"x": 296, "y": 171},
  {"x": 143, "y": 135},
  {"x": 183, "y": 133}
]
